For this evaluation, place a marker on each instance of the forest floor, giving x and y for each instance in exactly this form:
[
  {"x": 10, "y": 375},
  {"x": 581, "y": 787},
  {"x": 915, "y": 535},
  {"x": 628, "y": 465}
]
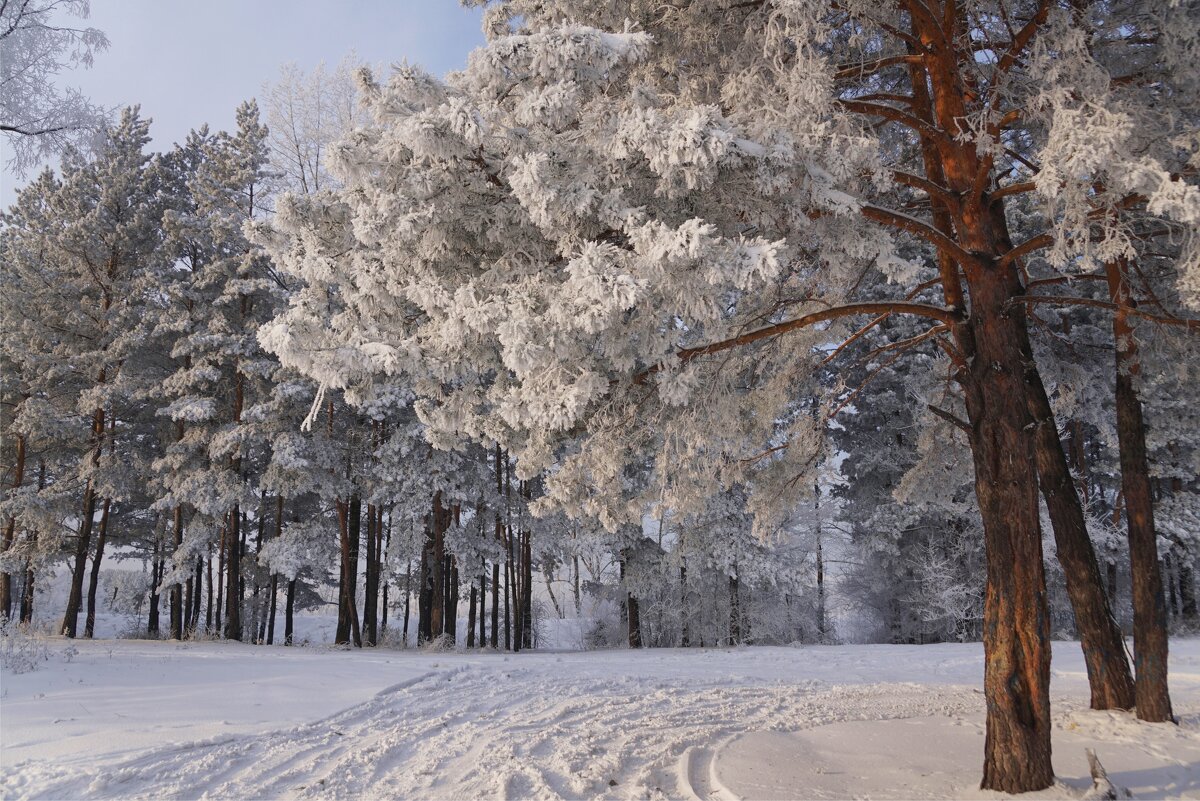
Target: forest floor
[{"x": 144, "y": 719}]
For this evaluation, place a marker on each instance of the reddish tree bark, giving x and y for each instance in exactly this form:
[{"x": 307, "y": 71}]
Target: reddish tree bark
[{"x": 1149, "y": 608}]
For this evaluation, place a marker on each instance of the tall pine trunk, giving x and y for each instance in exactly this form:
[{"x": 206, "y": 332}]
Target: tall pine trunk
[
  {"x": 1016, "y": 618},
  {"x": 233, "y": 564},
  {"x": 348, "y": 521},
  {"x": 370, "y": 625},
  {"x": 289, "y": 612},
  {"x": 70, "y": 624},
  {"x": 89, "y": 623},
  {"x": 1149, "y": 609}
]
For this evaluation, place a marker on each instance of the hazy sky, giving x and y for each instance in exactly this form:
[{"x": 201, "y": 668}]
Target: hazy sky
[{"x": 189, "y": 62}]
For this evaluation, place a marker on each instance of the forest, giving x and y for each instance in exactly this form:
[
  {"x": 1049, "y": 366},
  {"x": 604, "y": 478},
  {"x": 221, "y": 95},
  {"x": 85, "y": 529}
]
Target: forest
[{"x": 713, "y": 324}]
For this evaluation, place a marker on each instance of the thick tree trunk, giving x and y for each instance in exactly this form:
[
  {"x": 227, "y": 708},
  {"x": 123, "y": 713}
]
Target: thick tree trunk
[
  {"x": 633, "y": 615},
  {"x": 1016, "y": 618},
  {"x": 89, "y": 622},
  {"x": 1149, "y": 610},
  {"x": 10, "y": 530}
]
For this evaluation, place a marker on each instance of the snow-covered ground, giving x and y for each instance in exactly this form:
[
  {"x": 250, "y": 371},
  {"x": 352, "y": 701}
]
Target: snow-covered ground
[{"x": 138, "y": 719}]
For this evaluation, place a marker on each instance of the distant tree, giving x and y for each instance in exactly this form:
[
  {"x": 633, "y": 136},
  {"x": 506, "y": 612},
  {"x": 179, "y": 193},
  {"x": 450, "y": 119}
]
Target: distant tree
[{"x": 37, "y": 117}]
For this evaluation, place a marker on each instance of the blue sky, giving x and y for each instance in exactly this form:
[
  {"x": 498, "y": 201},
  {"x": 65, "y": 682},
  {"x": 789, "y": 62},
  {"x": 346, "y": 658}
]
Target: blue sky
[{"x": 189, "y": 62}]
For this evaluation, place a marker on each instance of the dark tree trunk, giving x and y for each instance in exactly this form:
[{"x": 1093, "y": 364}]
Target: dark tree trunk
[
  {"x": 186, "y": 607},
  {"x": 685, "y": 638},
  {"x": 176, "y": 600},
  {"x": 289, "y": 611},
  {"x": 208, "y": 607},
  {"x": 221, "y": 559},
  {"x": 370, "y": 626},
  {"x": 271, "y": 613},
  {"x": 371, "y": 586},
  {"x": 70, "y": 625},
  {"x": 495, "y": 642},
  {"x": 1187, "y": 587},
  {"x": 452, "y": 598},
  {"x": 483, "y": 603},
  {"x": 82, "y": 544},
  {"x": 196, "y": 598},
  {"x": 508, "y": 591},
  {"x": 158, "y": 570},
  {"x": 27, "y": 595},
  {"x": 633, "y": 615},
  {"x": 527, "y": 592},
  {"x": 1149, "y": 611},
  {"x": 575, "y": 587},
  {"x": 348, "y": 521},
  {"x": 471, "y": 617},
  {"x": 407, "y": 600},
  {"x": 233, "y": 563},
  {"x": 89, "y": 623},
  {"x": 735, "y": 612},
  {"x": 1099, "y": 635},
  {"x": 437, "y": 572}
]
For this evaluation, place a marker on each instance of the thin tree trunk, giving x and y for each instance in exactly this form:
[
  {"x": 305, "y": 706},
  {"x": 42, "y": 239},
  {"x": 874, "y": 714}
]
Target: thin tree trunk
[
  {"x": 370, "y": 625},
  {"x": 289, "y": 611},
  {"x": 208, "y": 607},
  {"x": 483, "y": 603},
  {"x": 527, "y": 592},
  {"x": 222, "y": 545},
  {"x": 271, "y": 614},
  {"x": 1149, "y": 612},
  {"x": 233, "y": 562},
  {"x": 471, "y": 617},
  {"x": 575, "y": 586},
  {"x": 1100, "y": 637},
  {"x": 346, "y": 518},
  {"x": 157, "y": 571},
  {"x": 196, "y": 599},
  {"x": 89, "y": 623},
  {"x": 685, "y": 637},
  {"x": 407, "y": 600},
  {"x": 495, "y": 642},
  {"x": 735, "y": 611},
  {"x": 176, "y": 600}
]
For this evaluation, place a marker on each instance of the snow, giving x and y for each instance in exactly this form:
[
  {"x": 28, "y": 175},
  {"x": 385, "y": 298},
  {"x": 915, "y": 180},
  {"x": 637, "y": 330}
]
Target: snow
[{"x": 141, "y": 719}]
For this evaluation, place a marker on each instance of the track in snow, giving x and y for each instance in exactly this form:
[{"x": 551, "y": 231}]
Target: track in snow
[{"x": 496, "y": 730}]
